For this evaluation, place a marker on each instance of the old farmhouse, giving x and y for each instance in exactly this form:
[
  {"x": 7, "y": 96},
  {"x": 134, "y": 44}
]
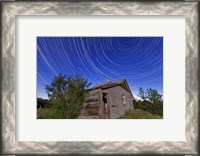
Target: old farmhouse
[{"x": 108, "y": 101}]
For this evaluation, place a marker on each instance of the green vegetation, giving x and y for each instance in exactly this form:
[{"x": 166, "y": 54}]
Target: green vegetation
[
  {"x": 43, "y": 103},
  {"x": 139, "y": 114},
  {"x": 153, "y": 108},
  {"x": 150, "y": 95},
  {"x": 151, "y": 102},
  {"x": 149, "y": 107},
  {"x": 45, "y": 113},
  {"x": 66, "y": 95}
]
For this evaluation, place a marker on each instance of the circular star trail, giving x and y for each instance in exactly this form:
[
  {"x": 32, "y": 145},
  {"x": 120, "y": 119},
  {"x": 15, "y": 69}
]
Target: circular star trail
[{"x": 139, "y": 60}]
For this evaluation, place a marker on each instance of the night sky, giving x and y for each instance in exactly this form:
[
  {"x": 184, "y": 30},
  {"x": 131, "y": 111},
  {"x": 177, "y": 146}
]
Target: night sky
[{"x": 98, "y": 59}]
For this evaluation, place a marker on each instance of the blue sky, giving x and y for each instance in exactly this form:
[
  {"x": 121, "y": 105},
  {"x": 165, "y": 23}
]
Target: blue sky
[{"x": 137, "y": 59}]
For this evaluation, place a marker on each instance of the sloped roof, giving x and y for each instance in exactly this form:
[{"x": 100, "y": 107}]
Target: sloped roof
[{"x": 122, "y": 82}]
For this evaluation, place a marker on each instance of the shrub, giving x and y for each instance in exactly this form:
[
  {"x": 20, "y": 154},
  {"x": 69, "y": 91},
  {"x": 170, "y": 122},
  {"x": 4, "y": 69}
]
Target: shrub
[
  {"x": 67, "y": 95},
  {"x": 155, "y": 108}
]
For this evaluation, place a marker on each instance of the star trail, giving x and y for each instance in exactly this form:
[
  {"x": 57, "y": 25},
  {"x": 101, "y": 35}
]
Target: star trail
[{"x": 137, "y": 59}]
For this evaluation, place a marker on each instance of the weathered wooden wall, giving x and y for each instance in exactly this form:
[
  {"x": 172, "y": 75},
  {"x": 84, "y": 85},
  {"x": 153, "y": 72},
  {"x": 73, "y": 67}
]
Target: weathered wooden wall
[
  {"x": 117, "y": 107},
  {"x": 92, "y": 104}
]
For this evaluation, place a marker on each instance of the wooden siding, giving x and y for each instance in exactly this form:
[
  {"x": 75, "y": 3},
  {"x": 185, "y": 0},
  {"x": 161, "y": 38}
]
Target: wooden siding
[
  {"x": 117, "y": 106},
  {"x": 94, "y": 106}
]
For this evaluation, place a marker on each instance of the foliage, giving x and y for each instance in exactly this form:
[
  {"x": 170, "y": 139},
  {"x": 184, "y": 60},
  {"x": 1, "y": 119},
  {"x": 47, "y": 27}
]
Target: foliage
[
  {"x": 67, "y": 95},
  {"x": 150, "y": 95},
  {"x": 139, "y": 114},
  {"x": 142, "y": 93},
  {"x": 154, "y": 108},
  {"x": 151, "y": 101},
  {"x": 153, "y": 96},
  {"x": 43, "y": 103}
]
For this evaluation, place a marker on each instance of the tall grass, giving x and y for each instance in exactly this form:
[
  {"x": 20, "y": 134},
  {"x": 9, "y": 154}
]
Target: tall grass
[
  {"x": 49, "y": 113},
  {"x": 45, "y": 113},
  {"x": 139, "y": 114}
]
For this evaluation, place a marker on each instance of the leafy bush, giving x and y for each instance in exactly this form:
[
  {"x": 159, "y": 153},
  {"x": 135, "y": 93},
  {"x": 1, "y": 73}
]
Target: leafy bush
[{"x": 67, "y": 95}]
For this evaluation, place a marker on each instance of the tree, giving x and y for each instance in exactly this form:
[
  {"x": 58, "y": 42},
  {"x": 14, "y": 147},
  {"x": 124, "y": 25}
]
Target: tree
[
  {"x": 67, "y": 95},
  {"x": 142, "y": 94},
  {"x": 150, "y": 94},
  {"x": 43, "y": 103},
  {"x": 151, "y": 101},
  {"x": 153, "y": 96}
]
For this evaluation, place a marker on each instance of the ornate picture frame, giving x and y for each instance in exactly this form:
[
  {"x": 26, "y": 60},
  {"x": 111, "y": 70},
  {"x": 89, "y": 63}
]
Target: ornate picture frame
[{"x": 11, "y": 9}]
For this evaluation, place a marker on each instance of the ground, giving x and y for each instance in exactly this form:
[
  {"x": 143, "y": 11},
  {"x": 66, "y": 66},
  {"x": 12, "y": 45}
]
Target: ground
[
  {"x": 139, "y": 114},
  {"x": 47, "y": 113}
]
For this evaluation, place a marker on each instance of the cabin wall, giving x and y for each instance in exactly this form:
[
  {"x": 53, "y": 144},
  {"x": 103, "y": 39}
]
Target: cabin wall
[
  {"x": 92, "y": 105},
  {"x": 116, "y": 101}
]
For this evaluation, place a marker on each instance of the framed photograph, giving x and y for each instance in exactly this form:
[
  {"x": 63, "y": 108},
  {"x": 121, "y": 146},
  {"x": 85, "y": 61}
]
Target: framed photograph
[
  {"x": 88, "y": 77},
  {"x": 114, "y": 67}
]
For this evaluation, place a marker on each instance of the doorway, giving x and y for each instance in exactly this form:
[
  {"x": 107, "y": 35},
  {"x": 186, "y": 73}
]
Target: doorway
[{"x": 106, "y": 108}]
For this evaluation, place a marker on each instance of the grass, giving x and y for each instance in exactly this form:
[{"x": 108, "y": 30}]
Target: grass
[
  {"x": 139, "y": 114},
  {"x": 45, "y": 113},
  {"x": 48, "y": 113}
]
